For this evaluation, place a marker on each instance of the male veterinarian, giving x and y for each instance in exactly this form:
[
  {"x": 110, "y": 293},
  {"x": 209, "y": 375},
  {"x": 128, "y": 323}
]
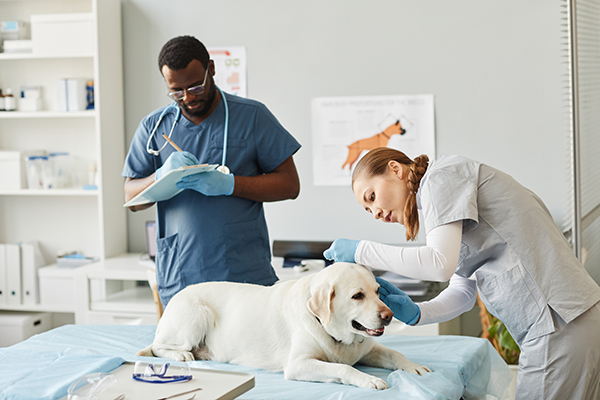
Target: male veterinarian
[{"x": 215, "y": 230}]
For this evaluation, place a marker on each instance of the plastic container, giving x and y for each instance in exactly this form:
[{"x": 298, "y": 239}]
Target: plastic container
[
  {"x": 39, "y": 172},
  {"x": 61, "y": 165}
]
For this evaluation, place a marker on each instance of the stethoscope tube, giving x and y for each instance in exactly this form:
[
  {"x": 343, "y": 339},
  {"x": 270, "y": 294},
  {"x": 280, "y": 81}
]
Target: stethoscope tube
[
  {"x": 164, "y": 112},
  {"x": 222, "y": 168},
  {"x": 225, "y": 132}
]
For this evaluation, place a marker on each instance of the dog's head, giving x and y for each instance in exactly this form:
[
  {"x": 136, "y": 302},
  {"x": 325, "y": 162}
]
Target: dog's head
[{"x": 345, "y": 299}]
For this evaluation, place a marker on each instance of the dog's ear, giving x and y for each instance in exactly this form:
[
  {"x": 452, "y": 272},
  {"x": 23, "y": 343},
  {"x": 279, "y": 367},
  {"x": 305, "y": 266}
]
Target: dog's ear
[{"x": 320, "y": 302}]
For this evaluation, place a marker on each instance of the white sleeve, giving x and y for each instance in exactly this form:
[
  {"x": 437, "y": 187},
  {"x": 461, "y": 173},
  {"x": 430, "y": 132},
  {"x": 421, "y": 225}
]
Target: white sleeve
[
  {"x": 457, "y": 298},
  {"x": 436, "y": 261}
]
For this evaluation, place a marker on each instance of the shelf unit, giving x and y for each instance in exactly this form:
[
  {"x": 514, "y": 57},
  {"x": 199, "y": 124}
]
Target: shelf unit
[
  {"x": 48, "y": 114},
  {"x": 89, "y": 221},
  {"x": 109, "y": 292}
]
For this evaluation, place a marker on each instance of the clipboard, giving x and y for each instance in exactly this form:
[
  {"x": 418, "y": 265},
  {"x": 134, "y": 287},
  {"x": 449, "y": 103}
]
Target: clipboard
[{"x": 166, "y": 187}]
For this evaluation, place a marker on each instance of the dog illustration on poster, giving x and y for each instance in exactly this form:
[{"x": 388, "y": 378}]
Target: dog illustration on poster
[{"x": 380, "y": 139}]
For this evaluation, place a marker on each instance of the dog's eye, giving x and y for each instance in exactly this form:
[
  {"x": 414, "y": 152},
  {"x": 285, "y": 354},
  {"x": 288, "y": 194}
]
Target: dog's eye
[{"x": 358, "y": 296}]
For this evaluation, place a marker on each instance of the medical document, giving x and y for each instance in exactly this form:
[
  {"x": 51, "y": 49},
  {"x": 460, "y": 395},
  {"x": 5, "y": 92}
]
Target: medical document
[{"x": 166, "y": 187}]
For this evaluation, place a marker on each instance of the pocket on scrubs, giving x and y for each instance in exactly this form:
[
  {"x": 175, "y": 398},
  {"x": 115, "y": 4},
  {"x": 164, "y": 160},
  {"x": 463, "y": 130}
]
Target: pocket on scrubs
[
  {"x": 248, "y": 252},
  {"x": 236, "y": 149},
  {"x": 168, "y": 274},
  {"x": 512, "y": 301}
]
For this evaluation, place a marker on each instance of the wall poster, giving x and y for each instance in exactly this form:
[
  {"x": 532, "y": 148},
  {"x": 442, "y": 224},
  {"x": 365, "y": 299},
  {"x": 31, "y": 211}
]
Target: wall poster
[{"x": 345, "y": 128}]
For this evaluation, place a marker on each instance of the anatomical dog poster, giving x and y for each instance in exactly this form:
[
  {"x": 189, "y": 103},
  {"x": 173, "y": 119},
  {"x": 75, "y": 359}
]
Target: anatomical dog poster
[
  {"x": 345, "y": 128},
  {"x": 230, "y": 69}
]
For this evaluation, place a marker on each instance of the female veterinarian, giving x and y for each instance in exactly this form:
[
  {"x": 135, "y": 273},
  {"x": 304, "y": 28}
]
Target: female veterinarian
[{"x": 484, "y": 232}]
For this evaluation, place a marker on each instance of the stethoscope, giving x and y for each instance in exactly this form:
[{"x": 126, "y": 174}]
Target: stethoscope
[{"x": 221, "y": 168}]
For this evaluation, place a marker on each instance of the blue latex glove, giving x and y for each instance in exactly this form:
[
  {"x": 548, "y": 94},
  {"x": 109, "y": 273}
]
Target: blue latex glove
[
  {"x": 176, "y": 160},
  {"x": 211, "y": 183},
  {"x": 341, "y": 250},
  {"x": 403, "y": 307}
]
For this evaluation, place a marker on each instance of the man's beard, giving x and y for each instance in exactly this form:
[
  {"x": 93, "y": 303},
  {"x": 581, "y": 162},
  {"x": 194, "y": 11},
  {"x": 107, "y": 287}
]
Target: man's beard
[{"x": 202, "y": 111}]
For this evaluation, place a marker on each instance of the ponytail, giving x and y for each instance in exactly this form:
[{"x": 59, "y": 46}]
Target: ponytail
[
  {"x": 411, "y": 215},
  {"x": 375, "y": 162}
]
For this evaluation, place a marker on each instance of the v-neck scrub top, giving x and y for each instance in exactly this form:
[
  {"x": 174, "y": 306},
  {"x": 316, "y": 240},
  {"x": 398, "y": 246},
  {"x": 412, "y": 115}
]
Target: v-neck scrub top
[
  {"x": 511, "y": 245},
  {"x": 222, "y": 238}
]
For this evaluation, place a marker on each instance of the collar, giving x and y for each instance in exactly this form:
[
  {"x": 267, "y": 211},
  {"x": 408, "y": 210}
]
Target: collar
[{"x": 334, "y": 339}]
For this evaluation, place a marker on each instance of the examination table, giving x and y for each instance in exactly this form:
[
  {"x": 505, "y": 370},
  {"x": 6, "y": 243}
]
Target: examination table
[{"x": 43, "y": 367}]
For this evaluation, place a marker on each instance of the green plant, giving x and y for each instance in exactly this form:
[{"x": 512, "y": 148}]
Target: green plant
[
  {"x": 507, "y": 347},
  {"x": 495, "y": 331}
]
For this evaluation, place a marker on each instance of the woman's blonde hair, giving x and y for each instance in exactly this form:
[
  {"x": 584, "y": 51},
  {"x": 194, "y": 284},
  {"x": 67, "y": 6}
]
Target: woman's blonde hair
[{"x": 375, "y": 163}]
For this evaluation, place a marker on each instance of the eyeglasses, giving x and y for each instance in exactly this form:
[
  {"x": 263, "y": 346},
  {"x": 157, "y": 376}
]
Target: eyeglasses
[
  {"x": 90, "y": 386},
  {"x": 195, "y": 90},
  {"x": 156, "y": 373}
]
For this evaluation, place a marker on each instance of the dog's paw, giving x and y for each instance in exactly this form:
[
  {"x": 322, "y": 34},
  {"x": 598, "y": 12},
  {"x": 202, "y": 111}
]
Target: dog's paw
[
  {"x": 183, "y": 356},
  {"x": 176, "y": 355},
  {"x": 416, "y": 369},
  {"x": 373, "y": 382}
]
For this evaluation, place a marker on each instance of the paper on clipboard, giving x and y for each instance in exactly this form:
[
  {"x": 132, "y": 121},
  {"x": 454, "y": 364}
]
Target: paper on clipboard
[{"x": 166, "y": 187}]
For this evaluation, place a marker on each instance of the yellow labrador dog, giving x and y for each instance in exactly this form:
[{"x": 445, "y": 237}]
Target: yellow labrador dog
[{"x": 312, "y": 329}]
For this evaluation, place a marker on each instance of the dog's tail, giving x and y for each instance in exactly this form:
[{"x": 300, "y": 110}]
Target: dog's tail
[{"x": 147, "y": 352}]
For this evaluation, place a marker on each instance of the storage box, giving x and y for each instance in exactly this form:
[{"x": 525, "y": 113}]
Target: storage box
[
  {"x": 14, "y": 30},
  {"x": 17, "y": 46},
  {"x": 63, "y": 33},
  {"x": 56, "y": 286},
  {"x": 12, "y": 170},
  {"x": 18, "y": 326}
]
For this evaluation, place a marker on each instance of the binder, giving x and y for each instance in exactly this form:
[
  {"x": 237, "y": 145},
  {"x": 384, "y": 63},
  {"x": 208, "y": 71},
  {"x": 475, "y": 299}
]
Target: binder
[
  {"x": 76, "y": 94},
  {"x": 31, "y": 260},
  {"x": 13, "y": 273},
  {"x": 3, "y": 277},
  {"x": 165, "y": 188},
  {"x": 61, "y": 95}
]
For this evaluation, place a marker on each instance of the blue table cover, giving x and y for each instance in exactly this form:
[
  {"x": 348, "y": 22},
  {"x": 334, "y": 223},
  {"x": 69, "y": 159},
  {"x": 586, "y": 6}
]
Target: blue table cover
[{"x": 43, "y": 367}]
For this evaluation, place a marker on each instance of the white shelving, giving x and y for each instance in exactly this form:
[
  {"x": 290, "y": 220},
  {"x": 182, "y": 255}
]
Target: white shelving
[
  {"x": 48, "y": 114},
  {"x": 31, "y": 56},
  {"x": 52, "y": 193},
  {"x": 90, "y": 221}
]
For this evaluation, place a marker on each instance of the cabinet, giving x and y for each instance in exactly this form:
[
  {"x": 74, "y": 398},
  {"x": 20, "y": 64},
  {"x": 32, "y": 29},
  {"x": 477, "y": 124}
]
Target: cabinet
[
  {"x": 114, "y": 291},
  {"x": 90, "y": 221}
]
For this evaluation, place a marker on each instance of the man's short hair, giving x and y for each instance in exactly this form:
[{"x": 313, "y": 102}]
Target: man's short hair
[{"x": 179, "y": 52}]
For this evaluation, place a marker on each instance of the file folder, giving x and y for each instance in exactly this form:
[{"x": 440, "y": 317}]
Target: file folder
[
  {"x": 31, "y": 260},
  {"x": 3, "y": 277},
  {"x": 165, "y": 188},
  {"x": 13, "y": 273}
]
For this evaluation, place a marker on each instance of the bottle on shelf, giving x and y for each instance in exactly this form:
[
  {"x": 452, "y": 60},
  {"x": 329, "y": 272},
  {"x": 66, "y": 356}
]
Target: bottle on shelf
[
  {"x": 1, "y": 101},
  {"x": 89, "y": 88},
  {"x": 10, "y": 103}
]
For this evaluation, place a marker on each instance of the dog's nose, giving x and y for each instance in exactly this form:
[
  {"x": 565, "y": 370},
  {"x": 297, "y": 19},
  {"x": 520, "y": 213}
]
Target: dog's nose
[{"x": 386, "y": 315}]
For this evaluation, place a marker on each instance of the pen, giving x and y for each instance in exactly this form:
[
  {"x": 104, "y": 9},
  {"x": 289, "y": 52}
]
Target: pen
[
  {"x": 180, "y": 394},
  {"x": 172, "y": 143}
]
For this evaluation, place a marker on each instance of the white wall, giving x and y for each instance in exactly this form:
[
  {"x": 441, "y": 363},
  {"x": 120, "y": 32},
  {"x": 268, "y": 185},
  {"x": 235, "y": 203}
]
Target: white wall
[{"x": 495, "y": 70}]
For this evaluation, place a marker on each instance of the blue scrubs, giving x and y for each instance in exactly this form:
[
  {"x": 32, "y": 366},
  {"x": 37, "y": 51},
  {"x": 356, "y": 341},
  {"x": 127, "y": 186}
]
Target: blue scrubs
[{"x": 222, "y": 238}]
